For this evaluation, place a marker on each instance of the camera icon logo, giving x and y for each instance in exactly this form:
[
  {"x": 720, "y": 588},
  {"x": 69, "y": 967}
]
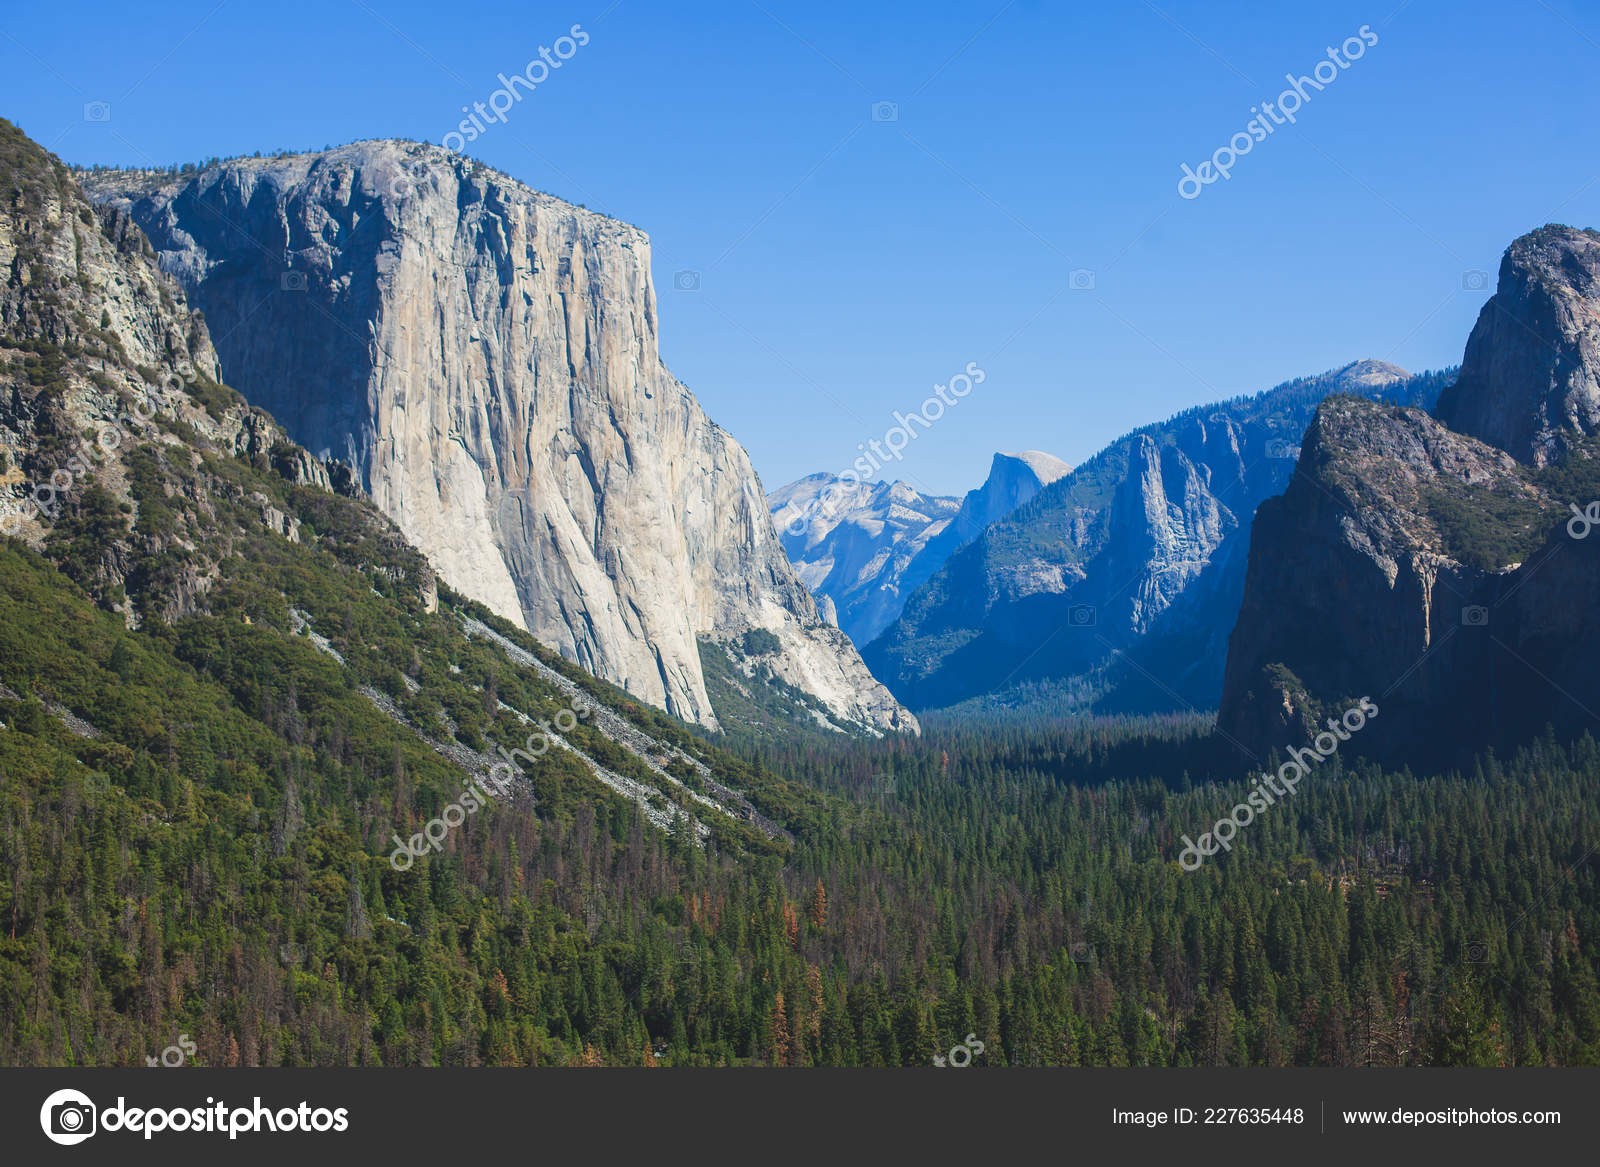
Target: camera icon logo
[
  {"x": 961, "y": 1054},
  {"x": 1475, "y": 616},
  {"x": 885, "y": 111},
  {"x": 1081, "y": 279},
  {"x": 1081, "y": 615},
  {"x": 68, "y": 1117},
  {"x": 686, "y": 281},
  {"x": 293, "y": 281},
  {"x": 97, "y": 111},
  {"x": 1474, "y": 281},
  {"x": 1278, "y": 448}
]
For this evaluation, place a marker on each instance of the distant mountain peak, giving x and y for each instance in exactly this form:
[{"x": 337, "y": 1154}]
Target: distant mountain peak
[
  {"x": 1117, "y": 582},
  {"x": 1013, "y": 480},
  {"x": 1370, "y": 373},
  {"x": 866, "y": 546},
  {"x": 1045, "y": 467},
  {"x": 850, "y": 542}
]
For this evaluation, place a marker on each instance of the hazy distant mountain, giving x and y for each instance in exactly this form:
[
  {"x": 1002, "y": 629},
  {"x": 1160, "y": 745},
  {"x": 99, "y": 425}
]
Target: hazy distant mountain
[
  {"x": 864, "y": 547},
  {"x": 1120, "y": 581},
  {"x": 1013, "y": 480},
  {"x": 850, "y": 542}
]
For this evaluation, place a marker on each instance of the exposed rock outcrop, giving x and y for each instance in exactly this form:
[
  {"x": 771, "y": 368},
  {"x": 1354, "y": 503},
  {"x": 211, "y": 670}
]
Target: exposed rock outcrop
[
  {"x": 1530, "y": 379},
  {"x": 1013, "y": 480},
  {"x": 100, "y": 363},
  {"x": 1450, "y": 580},
  {"x": 485, "y": 357},
  {"x": 1117, "y": 583}
]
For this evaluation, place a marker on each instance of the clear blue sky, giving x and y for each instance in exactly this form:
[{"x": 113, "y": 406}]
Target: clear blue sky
[{"x": 847, "y": 264}]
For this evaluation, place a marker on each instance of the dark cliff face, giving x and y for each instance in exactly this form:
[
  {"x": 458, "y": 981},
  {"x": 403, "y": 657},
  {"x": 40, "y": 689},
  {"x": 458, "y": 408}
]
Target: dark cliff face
[
  {"x": 1529, "y": 380},
  {"x": 1115, "y": 586},
  {"x": 108, "y": 382},
  {"x": 1429, "y": 568}
]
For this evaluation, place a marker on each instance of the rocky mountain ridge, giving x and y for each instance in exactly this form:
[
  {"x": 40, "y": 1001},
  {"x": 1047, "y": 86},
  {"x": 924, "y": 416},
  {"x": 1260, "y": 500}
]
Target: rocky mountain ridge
[
  {"x": 109, "y": 368},
  {"x": 1441, "y": 562},
  {"x": 1117, "y": 583},
  {"x": 162, "y": 496},
  {"x": 864, "y": 547},
  {"x": 1529, "y": 383},
  {"x": 851, "y": 542}
]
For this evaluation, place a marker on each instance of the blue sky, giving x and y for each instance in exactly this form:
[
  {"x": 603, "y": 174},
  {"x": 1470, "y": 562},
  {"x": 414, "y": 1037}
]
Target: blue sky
[{"x": 847, "y": 264}]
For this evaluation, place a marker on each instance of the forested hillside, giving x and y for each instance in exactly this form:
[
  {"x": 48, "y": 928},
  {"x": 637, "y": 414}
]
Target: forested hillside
[{"x": 229, "y": 693}]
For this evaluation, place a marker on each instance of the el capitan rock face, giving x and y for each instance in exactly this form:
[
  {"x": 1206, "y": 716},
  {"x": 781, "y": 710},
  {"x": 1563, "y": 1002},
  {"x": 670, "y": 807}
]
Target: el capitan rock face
[
  {"x": 1434, "y": 569},
  {"x": 485, "y": 357}
]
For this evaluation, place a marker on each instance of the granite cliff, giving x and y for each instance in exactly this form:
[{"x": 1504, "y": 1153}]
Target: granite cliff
[
  {"x": 1530, "y": 378},
  {"x": 484, "y": 357}
]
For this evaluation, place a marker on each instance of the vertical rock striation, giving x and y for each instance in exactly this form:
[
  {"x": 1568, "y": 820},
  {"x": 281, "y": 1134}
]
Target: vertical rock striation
[
  {"x": 1114, "y": 586},
  {"x": 485, "y": 358}
]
